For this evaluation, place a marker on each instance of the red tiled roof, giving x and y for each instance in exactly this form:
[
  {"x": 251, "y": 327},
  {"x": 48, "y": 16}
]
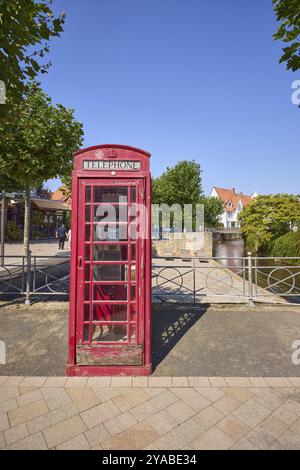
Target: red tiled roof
[
  {"x": 246, "y": 200},
  {"x": 231, "y": 199},
  {"x": 59, "y": 195}
]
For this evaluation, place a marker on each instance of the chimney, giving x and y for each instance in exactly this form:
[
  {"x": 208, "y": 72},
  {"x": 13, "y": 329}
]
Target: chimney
[{"x": 233, "y": 190}]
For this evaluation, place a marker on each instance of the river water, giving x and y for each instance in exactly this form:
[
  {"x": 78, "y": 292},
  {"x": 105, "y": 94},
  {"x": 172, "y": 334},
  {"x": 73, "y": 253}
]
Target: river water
[{"x": 230, "y": 248}]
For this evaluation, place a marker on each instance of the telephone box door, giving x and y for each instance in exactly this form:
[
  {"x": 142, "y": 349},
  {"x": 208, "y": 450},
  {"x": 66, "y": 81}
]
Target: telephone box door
[{"x": 110, "y": 273}]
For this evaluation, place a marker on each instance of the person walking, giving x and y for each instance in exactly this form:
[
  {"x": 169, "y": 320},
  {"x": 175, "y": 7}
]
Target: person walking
[{"x": 61, "y": 235}]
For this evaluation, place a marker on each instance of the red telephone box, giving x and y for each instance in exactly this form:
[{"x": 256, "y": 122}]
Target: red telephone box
[{"x": 110, "y": 287}]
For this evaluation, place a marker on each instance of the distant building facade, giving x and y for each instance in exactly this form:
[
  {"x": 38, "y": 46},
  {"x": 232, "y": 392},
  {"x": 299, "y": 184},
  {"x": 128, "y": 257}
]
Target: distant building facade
[
  {"x": 233, "y": 203},
  {"x": 47, "y": 213}
]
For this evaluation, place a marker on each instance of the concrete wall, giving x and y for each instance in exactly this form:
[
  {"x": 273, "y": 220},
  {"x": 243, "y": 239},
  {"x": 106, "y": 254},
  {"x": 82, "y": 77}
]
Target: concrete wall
[{"x": 189, "y": 244}]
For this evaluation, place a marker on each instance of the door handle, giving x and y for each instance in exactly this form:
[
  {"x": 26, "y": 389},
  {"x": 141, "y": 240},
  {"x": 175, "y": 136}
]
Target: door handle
[{"x": 79, "y": 262}]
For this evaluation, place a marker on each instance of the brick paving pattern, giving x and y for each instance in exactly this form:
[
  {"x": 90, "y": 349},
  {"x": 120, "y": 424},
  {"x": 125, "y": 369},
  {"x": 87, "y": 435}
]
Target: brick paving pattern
[{"x": 154, "y": 413}]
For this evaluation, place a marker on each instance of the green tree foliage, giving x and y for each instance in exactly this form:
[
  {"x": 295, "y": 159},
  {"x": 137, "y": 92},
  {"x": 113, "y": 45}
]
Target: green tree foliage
[
  {"x": 288, "y": 14},
  {"x": 26, "y": 26},
  {"x": 267, "y": 218},
  {"x": 67, "y": 184},
  {"x": 287, "y": 245},
  {"x": 181, "y": 184},
  {"x": 213, "y": 208},
  {"x": 38, "y": 145}
]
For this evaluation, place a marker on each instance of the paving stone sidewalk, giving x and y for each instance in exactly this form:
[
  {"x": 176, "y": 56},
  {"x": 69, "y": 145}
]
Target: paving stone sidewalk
[
  {"x": 38, "y": 248},
  {"x": 149, "y": 413}
]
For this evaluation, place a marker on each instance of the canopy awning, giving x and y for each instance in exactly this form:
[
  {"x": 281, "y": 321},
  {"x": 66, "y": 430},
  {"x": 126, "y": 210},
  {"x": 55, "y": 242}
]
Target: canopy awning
[{"x": 49, "y": 204}]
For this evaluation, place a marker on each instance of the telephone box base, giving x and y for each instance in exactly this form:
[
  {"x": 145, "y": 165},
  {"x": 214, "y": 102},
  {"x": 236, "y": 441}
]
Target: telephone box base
[{"x": 98, "y": 371}]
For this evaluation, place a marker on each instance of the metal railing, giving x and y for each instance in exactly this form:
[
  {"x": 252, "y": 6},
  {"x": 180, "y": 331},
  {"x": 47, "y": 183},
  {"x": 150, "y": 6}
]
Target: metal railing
[
  {"x": 221, "y": 229},
  {"x": 22, "y": 276},
  {"x": 166, "y": 234},
  {"x": 226, "y": 279},
  {"x": 183, "y": 280}
]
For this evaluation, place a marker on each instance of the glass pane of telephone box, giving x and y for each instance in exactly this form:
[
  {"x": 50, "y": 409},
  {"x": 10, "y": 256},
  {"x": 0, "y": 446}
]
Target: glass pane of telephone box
[
  {"x": 132, "y": 292},
  {"x": 110, "y": 272},
  {"x": 86, "y": 272},
  {"x": 109, "y": 333},
  {"x": 87, "y": 292},
  {"x": 110, "y": 194},
  {"x": 133, "y": 194},
  {"x": 86, "y": 312},
  {"x": 109, "y": 312},
  {"x": 87, "y": 213},
  {"x": 109, "y": 292},
  {"x": 133, "y": 332},
  {"x": 133, "y": 272},
  {"x": 110, "y": 213},
  {"x": 133, "y": 312},
  {"x": 86, "y": 330},
  {"x": 88, "y": 194},
  {"x": 107, "y": 232},
  {"x": 133, "y": 231},
  {"x": 110, "y": 252},
  {"x": 87, "y": 251},
  {"x": 87, "y": 233}
]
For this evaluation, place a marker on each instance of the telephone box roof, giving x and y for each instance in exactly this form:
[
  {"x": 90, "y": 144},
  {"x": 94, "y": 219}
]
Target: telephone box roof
[{"x": 116, "y": 146}]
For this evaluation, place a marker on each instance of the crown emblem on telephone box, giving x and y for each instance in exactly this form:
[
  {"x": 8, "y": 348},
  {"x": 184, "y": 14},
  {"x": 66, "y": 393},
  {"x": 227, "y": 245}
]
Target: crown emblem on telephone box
[{"x": 112, "y": 153}]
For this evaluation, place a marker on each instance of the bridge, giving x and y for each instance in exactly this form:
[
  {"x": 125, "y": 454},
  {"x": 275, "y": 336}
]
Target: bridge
[{"x": 223, "y": 230}]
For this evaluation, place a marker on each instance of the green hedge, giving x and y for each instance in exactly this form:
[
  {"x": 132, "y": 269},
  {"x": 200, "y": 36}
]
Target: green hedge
[
  {"x": 13, "y": 232},
  {"x": 287, "y": 245}
]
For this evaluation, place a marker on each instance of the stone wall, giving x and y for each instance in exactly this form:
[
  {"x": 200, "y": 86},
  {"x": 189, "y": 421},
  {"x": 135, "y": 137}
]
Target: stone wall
[
  {"x": 227, "y": 236},
  {"x": 184, "y": 244}
]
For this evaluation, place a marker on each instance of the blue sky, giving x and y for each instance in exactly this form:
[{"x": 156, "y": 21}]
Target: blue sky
[{"x": 183, "y": 79}]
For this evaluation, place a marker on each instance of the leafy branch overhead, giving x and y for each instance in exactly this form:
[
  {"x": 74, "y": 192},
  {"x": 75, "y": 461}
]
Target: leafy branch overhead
[
  {"x": 38, "y": 144},
  {"x": 288, "y": 14},
  {"x": 26, "y": 26}
]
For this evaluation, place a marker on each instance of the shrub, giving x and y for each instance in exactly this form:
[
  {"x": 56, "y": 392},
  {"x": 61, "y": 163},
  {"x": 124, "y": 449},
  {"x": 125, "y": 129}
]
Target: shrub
[
  {"x": 13, "y": 232},
  {"x": 36, "y": 234},
  {"x": 37, "y": 218},
  {"x": 287, "y": 245}
]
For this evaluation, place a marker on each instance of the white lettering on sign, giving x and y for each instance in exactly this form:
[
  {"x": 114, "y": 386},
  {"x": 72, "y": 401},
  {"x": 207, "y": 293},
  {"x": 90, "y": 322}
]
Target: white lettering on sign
[{"x": 124, "y": 165}]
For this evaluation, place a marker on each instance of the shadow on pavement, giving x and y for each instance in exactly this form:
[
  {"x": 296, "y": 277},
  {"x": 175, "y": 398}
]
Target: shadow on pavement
[{"x": 169, "y": 324}]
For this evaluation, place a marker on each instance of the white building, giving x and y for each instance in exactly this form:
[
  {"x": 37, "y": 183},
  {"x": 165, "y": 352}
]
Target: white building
[{"x": 233, "y": 204}]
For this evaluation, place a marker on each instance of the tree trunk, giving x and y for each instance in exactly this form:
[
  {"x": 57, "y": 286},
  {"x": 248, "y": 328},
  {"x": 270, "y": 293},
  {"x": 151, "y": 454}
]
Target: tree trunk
[
  {"x": 27, "y": 221},
  {"x": 3, "y": 221}
]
